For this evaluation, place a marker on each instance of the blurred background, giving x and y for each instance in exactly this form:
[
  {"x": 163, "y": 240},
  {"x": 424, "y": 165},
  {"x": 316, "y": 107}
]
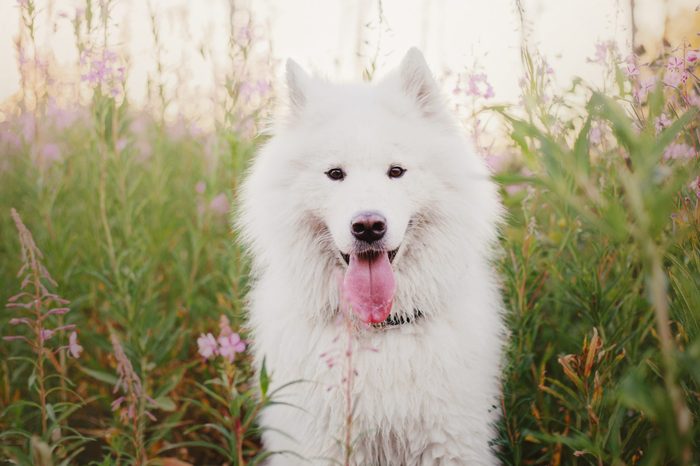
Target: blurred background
[{"x": 190, "y": 54}]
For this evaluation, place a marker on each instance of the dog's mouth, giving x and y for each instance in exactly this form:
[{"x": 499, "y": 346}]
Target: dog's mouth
[
  {"x": 369, "y": 285},
  {"x": 370, "y": 254}
]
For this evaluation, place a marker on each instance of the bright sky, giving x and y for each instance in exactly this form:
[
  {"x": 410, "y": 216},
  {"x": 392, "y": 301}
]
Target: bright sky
[{"x": 324, "y": 35}]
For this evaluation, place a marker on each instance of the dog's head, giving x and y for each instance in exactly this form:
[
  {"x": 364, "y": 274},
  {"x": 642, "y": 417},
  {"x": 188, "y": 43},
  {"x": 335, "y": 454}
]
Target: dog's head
[{"x": 369, "y": 177}]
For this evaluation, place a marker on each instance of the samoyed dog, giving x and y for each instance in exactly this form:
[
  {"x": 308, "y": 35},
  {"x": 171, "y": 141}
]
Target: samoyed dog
[{"x": 372, "y": 226}]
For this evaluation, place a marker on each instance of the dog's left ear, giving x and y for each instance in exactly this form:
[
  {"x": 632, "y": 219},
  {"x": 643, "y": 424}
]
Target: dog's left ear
[{"x": 418, "y": 83}]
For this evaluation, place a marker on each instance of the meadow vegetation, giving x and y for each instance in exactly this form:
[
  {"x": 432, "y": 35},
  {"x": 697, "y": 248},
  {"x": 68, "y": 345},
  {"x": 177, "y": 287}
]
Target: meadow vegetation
[{"x": 124, "y": 338}]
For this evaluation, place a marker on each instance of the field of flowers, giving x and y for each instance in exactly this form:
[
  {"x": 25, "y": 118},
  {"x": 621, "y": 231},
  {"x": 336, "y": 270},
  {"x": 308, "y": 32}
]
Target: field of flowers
[{"x": 124, "y": 338}]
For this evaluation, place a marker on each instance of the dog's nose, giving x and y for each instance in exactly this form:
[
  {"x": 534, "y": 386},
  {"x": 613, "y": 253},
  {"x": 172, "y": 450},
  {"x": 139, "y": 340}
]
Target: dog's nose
[{"x": 368, "y": 226}]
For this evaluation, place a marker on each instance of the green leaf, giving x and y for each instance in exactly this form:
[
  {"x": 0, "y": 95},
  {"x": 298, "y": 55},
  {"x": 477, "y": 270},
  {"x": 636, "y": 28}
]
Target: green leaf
[
  {"x": 264, "y": 380},
  {"x": 165, "y": 403},
  {"x": 101, "y": 376},
  {"x": 606, "y": 108},
  {"x": 581, "y": 147},
  {"x": 668, "y": 135}
]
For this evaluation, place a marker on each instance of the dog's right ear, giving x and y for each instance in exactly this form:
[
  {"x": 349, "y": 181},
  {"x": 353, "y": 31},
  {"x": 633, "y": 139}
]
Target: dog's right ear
[{"x": 298, "y": 82}]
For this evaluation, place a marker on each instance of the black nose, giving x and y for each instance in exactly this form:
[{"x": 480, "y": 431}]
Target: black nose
[{"x": 368, "y": 226}]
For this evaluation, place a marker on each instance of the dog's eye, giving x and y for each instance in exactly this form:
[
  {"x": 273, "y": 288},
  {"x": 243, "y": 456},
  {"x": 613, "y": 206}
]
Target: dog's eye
[
  {"x": 395, "y": 171},
  {"x": 336, "y": 174}
]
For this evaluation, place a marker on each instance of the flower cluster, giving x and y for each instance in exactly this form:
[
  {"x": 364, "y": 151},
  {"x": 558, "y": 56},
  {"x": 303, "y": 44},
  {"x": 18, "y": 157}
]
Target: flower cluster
[
  {"x": 226, "y": 345},
  {"x": 130, "y": 384},
  {"x": 36, "y": 301},
  {"x": 675, "y": 74},
  {"x": 218, "y": 205},
  {"x": 476, "y": 85},
  {"x": 103, "y": 70},
  {"x": 603, "y": 51},
  {"x": 680, "y": 151}
]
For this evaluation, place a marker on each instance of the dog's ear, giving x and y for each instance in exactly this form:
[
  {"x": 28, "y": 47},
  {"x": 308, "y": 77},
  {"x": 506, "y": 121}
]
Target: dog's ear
[
  {"x": 418, "y": 83},
  {"x": 297, "y": 86}
]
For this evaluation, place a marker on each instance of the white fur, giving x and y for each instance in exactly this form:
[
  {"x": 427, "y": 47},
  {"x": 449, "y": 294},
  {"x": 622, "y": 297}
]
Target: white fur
[{"x": 425, "y": 393}]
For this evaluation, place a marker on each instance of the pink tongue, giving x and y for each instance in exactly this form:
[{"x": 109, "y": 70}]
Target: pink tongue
[{"x": 369, "y": 287}]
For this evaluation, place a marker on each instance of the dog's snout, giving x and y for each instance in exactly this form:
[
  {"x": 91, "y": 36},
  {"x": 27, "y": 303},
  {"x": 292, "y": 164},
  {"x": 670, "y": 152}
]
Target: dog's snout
[{"x": 368, "y": 226}]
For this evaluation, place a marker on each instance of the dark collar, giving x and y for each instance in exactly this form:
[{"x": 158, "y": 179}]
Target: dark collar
[{"x": 395, "y": 321}]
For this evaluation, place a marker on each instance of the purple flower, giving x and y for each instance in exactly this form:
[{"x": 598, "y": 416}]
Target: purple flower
[
  {"x": 28, "y": 124},
  {"x": 207, "y": 345},
  {"x": 661, "y": 122},
  {"x": 73, "y": 346},
  {"x": 598, "y": 132},
  {"x": 478, "y": 86},
  {"x": 675, "y": 77},
  {"x": 692, "y": 56},
  {"x": 121, "y": 144},
  {"x": 602, "y": 49},
  {"x": 229, "y": 345},
  {"x": 631, "y": 70},
  {"x": 679, "y": 151},
  {"x": 46, "y": 334},
  {"x": 130, "y": 384},
  {"x": 644, "y": 88},
  {"x": 695, "y": 186},
  {"x": 264, "y": 87},
  {"x": 219, "y": 204},
  {"x": 224, "y": 326},
  {"x": 50, "y": 153},
  {"x": 102, "y": 70},
  {"x": 675, "y": 63}
]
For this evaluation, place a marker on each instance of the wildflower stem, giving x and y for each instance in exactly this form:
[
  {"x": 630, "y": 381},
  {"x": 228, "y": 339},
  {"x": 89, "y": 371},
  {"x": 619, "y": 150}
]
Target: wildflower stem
[
  {"x": 658, "y": 298},
  {"x": 32, "y": 260},
  {"x": 349, "y": 380}
]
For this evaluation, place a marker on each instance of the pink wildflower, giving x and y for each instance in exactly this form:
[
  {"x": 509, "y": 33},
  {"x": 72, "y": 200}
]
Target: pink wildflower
[
  {"x": 695, "y": 186},
  {"x": 102, "y": 70},
  {"x": 692, "y": 56},
  {"x": 73, "y": 346},
  {"x": 679, "y": 151},
  {"x": 224, "y": 326},
  {"x": 661, "y": 122},
  {"x": 675, "y": 77},
  {"x": 229, "y": 345},
  {"x": 50, "y": 153},
  {"x": 478, "y": 86},
  {"x": 200, "y": 187},
  {"x": 207, "y": 345},
  {"x": 28, "y": 124},
  {"x": 631, "y": 70},
  {"x": 130, "y": 384},
  {"x": 602, "y": 50},
  {"x": 219, "y": 204},
  {"x": 121, "y": 144},
  {"x": 646, "y": 86},
  {"x": 497, "y": 162},
  {"x": 675, "y": 63},
  {"x": 598, "y": 132},
  {"x": 693, "y": 100}
]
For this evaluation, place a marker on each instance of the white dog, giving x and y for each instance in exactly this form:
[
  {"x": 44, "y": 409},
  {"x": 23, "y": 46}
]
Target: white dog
[{"x": 368, "y": 198}]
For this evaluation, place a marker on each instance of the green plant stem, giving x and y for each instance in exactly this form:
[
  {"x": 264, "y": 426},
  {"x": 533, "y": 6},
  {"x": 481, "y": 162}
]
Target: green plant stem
[
  {"x": 38, "y": 331},
  {"x": 658, "y": 298}
]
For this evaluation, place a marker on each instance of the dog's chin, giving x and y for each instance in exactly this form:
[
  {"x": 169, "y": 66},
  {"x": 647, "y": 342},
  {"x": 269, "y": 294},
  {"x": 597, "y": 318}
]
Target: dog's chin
[{"x": 368, "y": 251}]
